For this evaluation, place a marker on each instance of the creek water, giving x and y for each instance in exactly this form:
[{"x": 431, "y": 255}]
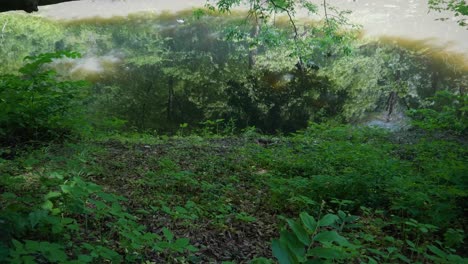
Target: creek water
[
  {"x": 404, "y": 19},
  {"x": 406, "y": 23}
]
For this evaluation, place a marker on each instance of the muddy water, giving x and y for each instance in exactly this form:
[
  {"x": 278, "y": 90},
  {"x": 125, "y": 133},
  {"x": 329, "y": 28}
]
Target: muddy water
[
  {"x": 407, "y": 19},
  {"x": 109, "y": 8}
]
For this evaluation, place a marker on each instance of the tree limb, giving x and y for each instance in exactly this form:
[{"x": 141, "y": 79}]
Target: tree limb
[{"x": 27, "y": 5}]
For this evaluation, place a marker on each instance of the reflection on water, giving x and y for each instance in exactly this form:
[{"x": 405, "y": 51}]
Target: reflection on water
[
  {"x": 167, "y": 72},
  {"x": 398, "y": 18},
  {"x": 442, "y": 60},
  {"x": 93, "y": 65},
  {"x": 409, "y": 19},
  {"x": 440, "y": 55}
]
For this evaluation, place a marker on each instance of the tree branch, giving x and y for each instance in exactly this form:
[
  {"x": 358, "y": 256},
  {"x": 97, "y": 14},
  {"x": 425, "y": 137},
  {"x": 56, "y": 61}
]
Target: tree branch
[
  {"x": 27, "y": 5},
  {"x": 296, "y": 31}
]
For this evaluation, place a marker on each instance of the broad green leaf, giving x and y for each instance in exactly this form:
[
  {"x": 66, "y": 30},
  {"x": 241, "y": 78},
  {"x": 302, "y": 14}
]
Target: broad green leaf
[
  {"x": 54, "y": 252},
  {"x": 36, "y": 217},
  {"x": 99, "y": 205},
  {"x": 295, "y": 246},
  {"x": 66, "y": 188},
  {"x": 330, "y": 236},
  {"x": 85, "y": 258},
  {"x": 341, "y": 214},
  {"x": 299, "y": 231},
  {"x": 280, "y": 251},
  {"x": 18, "y": 245},
  {"x": 372, "y": 261},
  {"x": 107, "y": 197},
  {"x": 328, "y": 220},
  {"x": 327, "y": 253},
  {"x": 308, "y": 221},
  {"x": 52, "y": 195},
  {"x": 437, "y": 251},
  {"x": 47, "y": 205}
]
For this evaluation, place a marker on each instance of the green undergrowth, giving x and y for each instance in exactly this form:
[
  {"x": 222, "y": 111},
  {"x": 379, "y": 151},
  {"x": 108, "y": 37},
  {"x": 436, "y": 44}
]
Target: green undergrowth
[{"x": 323, "y": 195}]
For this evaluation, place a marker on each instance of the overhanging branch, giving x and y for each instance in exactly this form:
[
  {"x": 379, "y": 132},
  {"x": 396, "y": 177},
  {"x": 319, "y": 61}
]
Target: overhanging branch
[{"x": 27, "y": 5}]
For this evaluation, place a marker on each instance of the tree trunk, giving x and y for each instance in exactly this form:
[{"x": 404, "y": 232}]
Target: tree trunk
[
  {"x": 170, "y": 99},
  {"x": 391, "y": 103},
  {"x": 27, "y": 5}
]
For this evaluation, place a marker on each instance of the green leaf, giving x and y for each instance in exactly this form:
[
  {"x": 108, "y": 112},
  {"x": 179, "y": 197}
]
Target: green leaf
[
  {"x": 108, "y": 254},
  {"x": 299, "y": 231},
  {"x": 181, "y": 243},
  {"x": 18, "y": 245},
  {"x": 437, "y": 251},
  {"x": 47, "y": 205},
  {"x": 85, "y": 258},
  {"x": 341, "y": 214},
  {"x": 52, "y": 195},
  {"x": 308, "y": 221},
  {"x": 328, "y": 220},
  {"x": 411, "y": 244},
  {"x": 280, "y": 251},
  {"x": 192, "y": 248},
  {"x": 168, "y": 234},
  {"x": 329, "y": 237},
  {"x": 36, "y": 217},
  {"x": 326, "y": 253},
  {"x": 107, "y": 197},
  {"x": 66, "y": 188},
  {"x": 56, "y": 175},
  {"x": 403, "y": 258},
  {"x": 54, "y": 252},
  {"x": 99, "y": 205},
  {"x": 293, "y": 244}
]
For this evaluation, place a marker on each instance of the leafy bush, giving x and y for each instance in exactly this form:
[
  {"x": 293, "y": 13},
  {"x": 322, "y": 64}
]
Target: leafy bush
[
  {"x": 23, "y": 35},
  {"x": 444, "y": 111},
  {"x": 36, "y": 104},
  {"x": 345, "y": 238},
  {"x": 312, "y": 239},
  {"x": 79, "y": 223},
  {"x": 424, "y": 180}
]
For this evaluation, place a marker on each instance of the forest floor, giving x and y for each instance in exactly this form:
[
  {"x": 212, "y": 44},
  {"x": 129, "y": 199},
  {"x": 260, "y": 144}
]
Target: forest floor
[
  {"x": 205, "y": 190},
  {"x": 230, "y": 195}
]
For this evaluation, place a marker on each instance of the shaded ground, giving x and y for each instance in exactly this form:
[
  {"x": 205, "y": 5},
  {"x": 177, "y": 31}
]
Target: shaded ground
[
  {"x": 202, "y": 190},
  {"x": 229, "y": 196}
]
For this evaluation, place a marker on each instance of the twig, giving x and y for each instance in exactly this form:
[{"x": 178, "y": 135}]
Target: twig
[
  {"x": 288, "y": 12},
  {"x": 326, "y": 12}
]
